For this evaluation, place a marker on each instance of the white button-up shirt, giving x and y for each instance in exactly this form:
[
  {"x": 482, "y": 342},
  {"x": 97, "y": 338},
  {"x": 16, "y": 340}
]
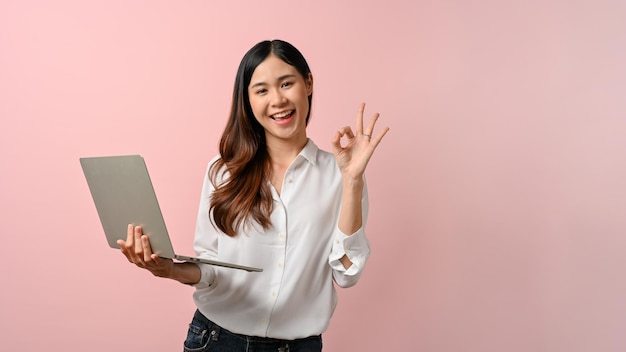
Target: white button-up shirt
[{"x": 294, "y": 296}]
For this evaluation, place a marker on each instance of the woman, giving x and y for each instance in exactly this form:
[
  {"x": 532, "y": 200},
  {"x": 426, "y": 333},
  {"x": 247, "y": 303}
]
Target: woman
[{"x": 272, "y": 199}]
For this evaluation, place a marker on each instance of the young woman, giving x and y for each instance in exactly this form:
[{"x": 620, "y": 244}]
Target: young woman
[{"x": 271, "y": 199}]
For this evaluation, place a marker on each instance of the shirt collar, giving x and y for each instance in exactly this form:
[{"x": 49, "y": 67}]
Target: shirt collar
[{"x": 309, "y": 152}]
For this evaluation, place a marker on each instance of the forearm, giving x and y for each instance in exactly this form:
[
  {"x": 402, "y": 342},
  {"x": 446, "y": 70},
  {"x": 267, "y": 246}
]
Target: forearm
[
  {"x": 351, "y": 216},
  {"x": 186, "y": 273}
]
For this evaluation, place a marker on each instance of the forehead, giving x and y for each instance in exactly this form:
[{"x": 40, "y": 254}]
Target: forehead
[{"x": 272, "y": 69}]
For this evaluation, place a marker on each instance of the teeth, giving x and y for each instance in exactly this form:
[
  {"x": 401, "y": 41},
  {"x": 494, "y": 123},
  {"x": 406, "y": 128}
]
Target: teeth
[{"x": 282, "y": 114}]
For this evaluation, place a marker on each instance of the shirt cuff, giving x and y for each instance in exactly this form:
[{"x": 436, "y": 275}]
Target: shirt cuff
[
  {"x": 207, "y": 276},
  {"x": 355, "y": 246}
]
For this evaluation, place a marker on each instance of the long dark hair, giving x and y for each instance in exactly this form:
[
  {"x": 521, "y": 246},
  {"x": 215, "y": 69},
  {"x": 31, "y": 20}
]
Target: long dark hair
[{"x": 246, "y": 195}]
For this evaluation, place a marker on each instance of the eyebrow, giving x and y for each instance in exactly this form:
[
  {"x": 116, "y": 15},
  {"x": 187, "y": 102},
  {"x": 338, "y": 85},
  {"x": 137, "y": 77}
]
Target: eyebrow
[{"x": 289, "y": 75}]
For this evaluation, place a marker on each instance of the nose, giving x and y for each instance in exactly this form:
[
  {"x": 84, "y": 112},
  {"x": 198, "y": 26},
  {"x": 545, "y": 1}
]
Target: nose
[{"x": 277, "y": 98}]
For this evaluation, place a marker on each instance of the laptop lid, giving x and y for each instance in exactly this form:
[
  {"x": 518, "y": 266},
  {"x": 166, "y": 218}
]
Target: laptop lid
[{"x": 123, "y": 194}]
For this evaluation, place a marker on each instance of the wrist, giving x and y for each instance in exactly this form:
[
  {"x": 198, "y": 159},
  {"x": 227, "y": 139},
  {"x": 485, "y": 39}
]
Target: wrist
[
  {"x": 186, "y": 273},
  {"x": 353, "y": 182}
]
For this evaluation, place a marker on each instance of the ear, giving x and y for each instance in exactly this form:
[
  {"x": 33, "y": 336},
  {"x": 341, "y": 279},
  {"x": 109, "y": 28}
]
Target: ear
[{"x": 309, "y": 84}]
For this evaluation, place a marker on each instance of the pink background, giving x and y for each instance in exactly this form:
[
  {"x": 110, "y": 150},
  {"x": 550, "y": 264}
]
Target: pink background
[{"x": 498, "y": 197}]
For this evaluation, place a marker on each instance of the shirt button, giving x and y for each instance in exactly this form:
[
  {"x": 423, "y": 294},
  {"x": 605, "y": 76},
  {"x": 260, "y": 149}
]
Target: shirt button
[
  {"x": 289, "y": 180},
  {"x": 280, "y": 265},
  {"x": 281, "y": 235},
  {"x": 274, "y": 294}
]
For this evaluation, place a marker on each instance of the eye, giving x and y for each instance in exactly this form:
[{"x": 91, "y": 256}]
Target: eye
[
  {"x": 261, "y": 91},
  {"x": 286, "y": 84}
]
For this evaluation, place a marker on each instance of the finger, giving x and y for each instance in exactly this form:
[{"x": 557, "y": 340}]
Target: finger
[
  {"x": 343, "y": 131},
  {"x": 336, "y": 142},
  {"x": 130, "y": 236},
  {"x": 359, "y": 119},
  {"x": 122, "y": 245},
  {"x": 129, "y": 245},
  {"x": 379, "y": 137},
  {"x": 138, "y": 247},
  {"x": 370, "y": 127},
  {"x": 147, "y": 249},
  {"x": 347, "y": 131}
]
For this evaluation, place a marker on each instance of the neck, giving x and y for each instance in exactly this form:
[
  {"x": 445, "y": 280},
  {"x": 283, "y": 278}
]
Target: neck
[{"x": 284, "y": 152}]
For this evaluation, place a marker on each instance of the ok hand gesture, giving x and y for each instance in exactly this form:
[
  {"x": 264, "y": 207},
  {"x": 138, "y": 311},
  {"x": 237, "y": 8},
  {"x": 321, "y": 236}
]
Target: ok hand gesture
[{"x": 352, "y": 158}]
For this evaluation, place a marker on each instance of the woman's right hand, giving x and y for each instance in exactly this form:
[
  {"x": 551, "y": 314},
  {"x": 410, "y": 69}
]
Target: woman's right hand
[{"x": 138, "y": 251}]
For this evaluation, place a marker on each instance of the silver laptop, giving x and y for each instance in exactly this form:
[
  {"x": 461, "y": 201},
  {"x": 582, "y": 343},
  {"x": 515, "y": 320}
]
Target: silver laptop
[{"x": 123, "y": 194}]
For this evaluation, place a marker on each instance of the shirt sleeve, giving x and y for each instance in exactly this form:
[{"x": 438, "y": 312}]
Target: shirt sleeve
[
  {"x": 355, "y": 246},
  {"x": 205, "y": 240}
]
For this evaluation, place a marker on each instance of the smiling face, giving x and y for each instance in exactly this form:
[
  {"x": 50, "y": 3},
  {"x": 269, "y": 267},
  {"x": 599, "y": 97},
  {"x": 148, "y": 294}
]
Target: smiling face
[{"x": 279, "y": 98}]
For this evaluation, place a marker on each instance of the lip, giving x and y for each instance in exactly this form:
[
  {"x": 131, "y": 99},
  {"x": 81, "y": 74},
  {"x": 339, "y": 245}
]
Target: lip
[
  {"x": 291, "y": 111},
  {"x": 284, "y": 121}
]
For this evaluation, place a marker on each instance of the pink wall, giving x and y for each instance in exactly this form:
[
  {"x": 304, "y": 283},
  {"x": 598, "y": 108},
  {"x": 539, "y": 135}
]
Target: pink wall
[{"x": 498, "y": 197}]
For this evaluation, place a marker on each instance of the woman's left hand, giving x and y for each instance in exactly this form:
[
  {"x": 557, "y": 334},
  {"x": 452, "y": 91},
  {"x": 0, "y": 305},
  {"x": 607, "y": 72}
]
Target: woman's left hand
[{"x": 354, "y": 156}]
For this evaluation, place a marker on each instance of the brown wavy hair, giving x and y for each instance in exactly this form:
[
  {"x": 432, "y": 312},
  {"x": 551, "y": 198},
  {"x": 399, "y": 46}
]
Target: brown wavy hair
[{"x": 245, "y": 194}]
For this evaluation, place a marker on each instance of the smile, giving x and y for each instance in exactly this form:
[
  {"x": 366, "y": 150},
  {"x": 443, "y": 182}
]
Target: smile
[{"x": 282, "y": 115}]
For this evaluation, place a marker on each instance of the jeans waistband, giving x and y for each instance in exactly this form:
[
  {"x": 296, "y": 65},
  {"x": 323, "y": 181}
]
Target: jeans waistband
[{"x": 256, "y": 339}]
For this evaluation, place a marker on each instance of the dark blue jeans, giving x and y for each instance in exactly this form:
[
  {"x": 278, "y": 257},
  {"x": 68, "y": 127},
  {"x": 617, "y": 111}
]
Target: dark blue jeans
[{"x": 206, "y": 336}]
